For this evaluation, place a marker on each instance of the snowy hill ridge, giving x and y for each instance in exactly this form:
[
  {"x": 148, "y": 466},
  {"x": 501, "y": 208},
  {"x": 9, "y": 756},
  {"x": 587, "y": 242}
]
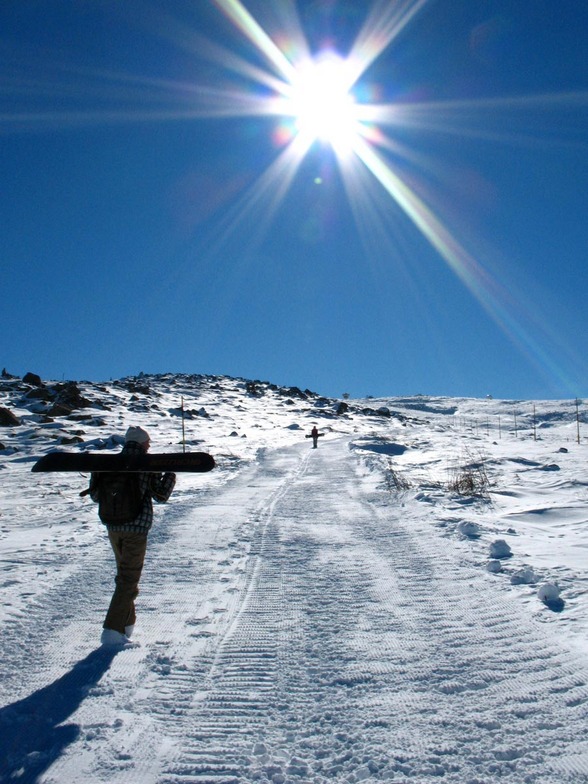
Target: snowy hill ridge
[{"x": 406, "y": 602}]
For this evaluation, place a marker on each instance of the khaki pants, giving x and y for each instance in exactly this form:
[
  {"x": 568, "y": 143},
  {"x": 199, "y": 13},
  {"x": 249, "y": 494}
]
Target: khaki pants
[{"x": 129, "y": 551}]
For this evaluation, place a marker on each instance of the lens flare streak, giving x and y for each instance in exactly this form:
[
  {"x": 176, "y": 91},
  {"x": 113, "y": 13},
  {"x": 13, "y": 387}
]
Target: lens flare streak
[
  {"x": 385, "y": 22},
  {"x": 259, "y": 203},
  {"x": 245, "y": 22},
  {"x": 287, "y": 88},
  {"x": 496, "y": 300}
]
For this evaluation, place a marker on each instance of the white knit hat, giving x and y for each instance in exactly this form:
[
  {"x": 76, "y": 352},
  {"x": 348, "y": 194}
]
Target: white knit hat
[{"x": 137, "y": 434}]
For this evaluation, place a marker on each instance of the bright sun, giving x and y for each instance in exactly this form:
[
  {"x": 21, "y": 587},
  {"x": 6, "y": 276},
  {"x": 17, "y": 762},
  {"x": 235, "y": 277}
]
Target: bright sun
[{"x": 322, "y": 104}]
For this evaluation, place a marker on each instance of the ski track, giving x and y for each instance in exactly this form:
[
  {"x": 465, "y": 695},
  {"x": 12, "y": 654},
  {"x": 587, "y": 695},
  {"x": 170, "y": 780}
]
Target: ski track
[{"x": 327, "y": 645}]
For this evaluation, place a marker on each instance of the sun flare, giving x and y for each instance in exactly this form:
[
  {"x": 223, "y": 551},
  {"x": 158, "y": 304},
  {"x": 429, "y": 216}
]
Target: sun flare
[
  {"x": 322, "y": 104},
  {"x": 318, "y": 98}
]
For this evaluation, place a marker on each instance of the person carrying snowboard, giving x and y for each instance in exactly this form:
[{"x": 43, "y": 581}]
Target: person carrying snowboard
[
  {"x": 314, "y": 434},
  {"x": 126, "y": 508}
]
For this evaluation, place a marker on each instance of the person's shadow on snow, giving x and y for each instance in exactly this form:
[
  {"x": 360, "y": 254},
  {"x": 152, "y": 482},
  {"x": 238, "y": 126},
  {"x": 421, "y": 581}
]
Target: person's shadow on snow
[{"x": 31, "y": 737}]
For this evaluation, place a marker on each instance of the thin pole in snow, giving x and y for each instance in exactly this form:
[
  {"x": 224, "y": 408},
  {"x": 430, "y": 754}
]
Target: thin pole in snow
[{"x": 183, "y": 428}]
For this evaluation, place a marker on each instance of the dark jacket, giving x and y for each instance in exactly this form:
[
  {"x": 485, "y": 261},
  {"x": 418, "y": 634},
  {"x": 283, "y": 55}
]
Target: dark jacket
[{"x": 157, "y": 486}]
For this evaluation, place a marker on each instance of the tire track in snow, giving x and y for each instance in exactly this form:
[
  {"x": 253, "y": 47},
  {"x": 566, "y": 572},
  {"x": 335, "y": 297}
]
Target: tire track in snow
[
  {"x": 60, "y": 612},
  {"x": 345, "y": 641},
  {"x": 241, "y": 687},
  {"x": 185, "y": 616},
  {"x": 365, "y": 649}
]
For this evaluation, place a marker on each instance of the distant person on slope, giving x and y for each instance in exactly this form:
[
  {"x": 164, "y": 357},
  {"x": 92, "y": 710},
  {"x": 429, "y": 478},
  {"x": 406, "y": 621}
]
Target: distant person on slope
[
  {"x": 315, "y": 435},
  {"x": 128, "y": 527}
]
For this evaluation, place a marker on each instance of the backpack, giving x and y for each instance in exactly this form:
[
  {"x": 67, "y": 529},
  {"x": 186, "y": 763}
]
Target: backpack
[{"x": 120, "y": 499}]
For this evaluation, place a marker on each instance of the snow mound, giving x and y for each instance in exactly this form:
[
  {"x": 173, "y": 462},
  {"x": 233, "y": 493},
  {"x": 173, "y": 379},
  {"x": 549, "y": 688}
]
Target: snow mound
[
  {"x": 500, "y": 549},
  {"x": 525, "y": 576},
  {"x": 550, "y": 595},
  {"x": 468, "y": 529},
  {"x": 549, "y": 592},
  {"x": 494, "y": 566}
]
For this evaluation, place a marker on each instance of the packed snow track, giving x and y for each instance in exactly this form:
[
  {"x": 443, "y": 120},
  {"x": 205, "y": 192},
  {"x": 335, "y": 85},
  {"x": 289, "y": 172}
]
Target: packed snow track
[{"x": 298, "y": 624}]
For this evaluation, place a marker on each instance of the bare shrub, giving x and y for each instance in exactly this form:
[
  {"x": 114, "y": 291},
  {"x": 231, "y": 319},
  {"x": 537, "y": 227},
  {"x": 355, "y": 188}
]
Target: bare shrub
[
  {"x": 470, "y": 478},
  {"x": 396, "y": 482}
]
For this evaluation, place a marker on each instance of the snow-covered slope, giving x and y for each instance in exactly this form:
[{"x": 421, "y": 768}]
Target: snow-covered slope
[{"x": 338, "y": 614}]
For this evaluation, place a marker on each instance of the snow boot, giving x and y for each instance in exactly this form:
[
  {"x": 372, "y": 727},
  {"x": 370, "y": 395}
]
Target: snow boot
[{"x": 112, "y": 638}]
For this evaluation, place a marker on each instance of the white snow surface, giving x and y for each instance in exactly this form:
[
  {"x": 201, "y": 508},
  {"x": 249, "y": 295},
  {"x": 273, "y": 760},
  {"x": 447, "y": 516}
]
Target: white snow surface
[{"x": 336, "y": 614}]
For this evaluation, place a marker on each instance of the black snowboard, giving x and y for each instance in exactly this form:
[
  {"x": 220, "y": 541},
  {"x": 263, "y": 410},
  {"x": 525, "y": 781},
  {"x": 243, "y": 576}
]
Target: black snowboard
[{"x": 193, "y": 462}]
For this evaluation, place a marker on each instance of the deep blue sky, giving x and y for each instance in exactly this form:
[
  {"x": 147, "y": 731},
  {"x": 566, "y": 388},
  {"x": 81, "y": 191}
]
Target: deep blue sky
[{"x": 138, "y": 233}]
